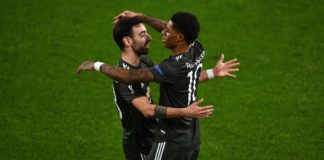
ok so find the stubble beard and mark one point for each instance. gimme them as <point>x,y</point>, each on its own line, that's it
<point>141,50</point>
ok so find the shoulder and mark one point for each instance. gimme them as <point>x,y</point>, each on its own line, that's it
<point>147,61</point>
<point>197,45</point>
<point>198,52</point>
<point>123,64</point>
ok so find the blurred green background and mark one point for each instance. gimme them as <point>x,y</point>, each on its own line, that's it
<point>273,111</point>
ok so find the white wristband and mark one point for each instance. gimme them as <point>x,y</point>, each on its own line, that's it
<point>97,65</point>
<point>210,73</point>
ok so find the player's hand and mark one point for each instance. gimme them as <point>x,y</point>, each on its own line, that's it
<point>87,65</point>
<point>223,69</point>
<point>194,111</point>
<point>125,14</point>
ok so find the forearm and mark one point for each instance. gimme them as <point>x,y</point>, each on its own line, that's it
<point>206,75</point>
<point>143,105</point>
<point>159,111</point>
<point>126,76</point>
<point>157,24</point>
<point>203,76</point>
<point>169,112</point>
<point>175,112</point>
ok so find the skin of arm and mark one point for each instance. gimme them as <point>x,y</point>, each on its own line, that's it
<point>127,76</point>
<point>194,111</point>
<point>119,74</point>
<point>157,24</point>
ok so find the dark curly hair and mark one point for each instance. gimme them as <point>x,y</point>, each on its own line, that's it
<point>187,24</point>
<point>124,28</point>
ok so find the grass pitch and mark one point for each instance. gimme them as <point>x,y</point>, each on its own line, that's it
<point>272,111</point>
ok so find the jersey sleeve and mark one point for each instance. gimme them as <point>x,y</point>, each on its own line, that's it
<point>166,72</point>
<point>127,92</point>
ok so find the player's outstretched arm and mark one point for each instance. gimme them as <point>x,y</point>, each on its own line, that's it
<point>117,73</point>
<point>152,110</point>
<point>221,69</point>
<point>157,24</point>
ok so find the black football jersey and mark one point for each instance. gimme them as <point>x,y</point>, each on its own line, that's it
<point>138,131</point>
<point>178,77</point>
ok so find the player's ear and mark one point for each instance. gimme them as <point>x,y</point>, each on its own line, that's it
<point>127,41</point>
<point>181,37</point>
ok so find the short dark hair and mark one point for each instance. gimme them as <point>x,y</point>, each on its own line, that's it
<point>187,24</point>
<point>124,28</point>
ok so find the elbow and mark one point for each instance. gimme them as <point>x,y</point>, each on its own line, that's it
<point>148,113</point>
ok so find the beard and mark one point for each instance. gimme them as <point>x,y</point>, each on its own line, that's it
<point>142,50</point>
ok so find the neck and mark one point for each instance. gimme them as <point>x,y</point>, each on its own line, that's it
<point>181,48</point>
<point>131,57</point>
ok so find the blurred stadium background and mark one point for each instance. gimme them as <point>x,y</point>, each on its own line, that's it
<point>272,111</point>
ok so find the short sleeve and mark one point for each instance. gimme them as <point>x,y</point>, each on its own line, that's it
<point>166,72</point>
<point>127,92</point>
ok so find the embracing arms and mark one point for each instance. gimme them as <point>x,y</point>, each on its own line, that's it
<point>152,110</point>
<point>118,73</point>
<point>221,69</point>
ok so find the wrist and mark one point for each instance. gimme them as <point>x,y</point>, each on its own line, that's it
<point>210,73</point>
<point>97,66</point>
<point>184,112</point>
<point>160,111</point>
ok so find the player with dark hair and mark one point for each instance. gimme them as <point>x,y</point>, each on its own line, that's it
<point>176,138</point>
<point>133,101</point>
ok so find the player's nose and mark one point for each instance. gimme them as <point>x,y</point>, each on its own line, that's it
<point>163,32</point>
<point>148,37</point>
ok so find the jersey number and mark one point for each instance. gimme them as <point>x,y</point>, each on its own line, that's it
<point>192,75</point>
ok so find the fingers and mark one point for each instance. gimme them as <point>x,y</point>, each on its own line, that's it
<point>206,107</point>
<point>205,114</point>
<point>121,14</point>
<point>229,65</point>
<point>231,61</point>
<point>231,75</point>
<point>78,71</point>
<point>222,58</point>
<point>233,70</point>
<point>117,18</point>
<point>208,111</point>
<point>198,102</point>
<point>125,14</point>
<point>204,111</point>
